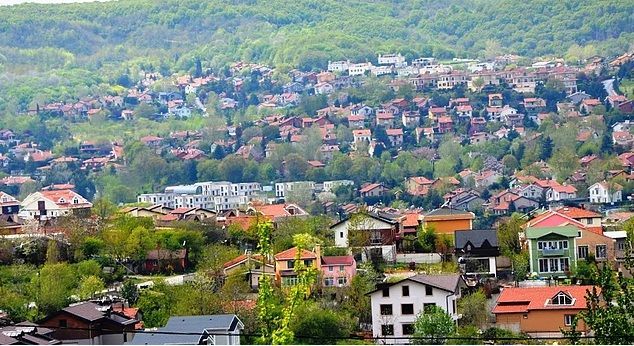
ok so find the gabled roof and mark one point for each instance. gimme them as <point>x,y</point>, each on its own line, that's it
<point>291,253</point>
<point>337,260</point>
<point>476,238</point>
<point>448,283</point>
<point>208,324</point>
<point>577,213</point>
<point>538,232</point>
<point>525,299</point>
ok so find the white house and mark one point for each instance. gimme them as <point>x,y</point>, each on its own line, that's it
<point>392,59</point>
<point>48,204</point>
<point>561,193</point>
<point>282,189</point>
<point>604,192</point>
<point>333,184</point>
<point>395,306</point>
<point>339,66</point>
<point>359,69</point>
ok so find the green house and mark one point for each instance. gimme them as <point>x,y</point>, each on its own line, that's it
<point>552,250</point>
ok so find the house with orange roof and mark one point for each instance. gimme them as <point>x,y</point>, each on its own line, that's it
<point>559,192</point>
<point>285,261</point>
<point>49,204</point>
<point>541,311</point>
<point>253,266</point>
<point>373,190</point>
<point>418,186</point>
<point>277,212</point>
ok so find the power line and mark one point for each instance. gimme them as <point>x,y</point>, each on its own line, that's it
<point>357,337</point>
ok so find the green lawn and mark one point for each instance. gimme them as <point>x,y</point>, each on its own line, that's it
<point>627,87</point>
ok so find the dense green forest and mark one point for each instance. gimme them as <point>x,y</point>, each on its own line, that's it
<point>58,47</point>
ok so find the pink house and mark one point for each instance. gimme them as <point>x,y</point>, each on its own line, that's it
<point>337,271</point>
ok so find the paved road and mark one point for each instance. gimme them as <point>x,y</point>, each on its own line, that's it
<point>608,85</point>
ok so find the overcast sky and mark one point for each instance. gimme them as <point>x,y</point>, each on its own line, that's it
<point>13,2</point>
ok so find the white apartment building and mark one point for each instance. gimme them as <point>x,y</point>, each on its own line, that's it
<point>333,184</point>
<point>359,69</point>
<point>210,195</point>
<point>338,66</point>
<point>282,189</point>
<point>392,59</point>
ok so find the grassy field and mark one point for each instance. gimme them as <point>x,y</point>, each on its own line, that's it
<point>627,87</point>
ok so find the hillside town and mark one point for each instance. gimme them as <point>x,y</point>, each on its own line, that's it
<point>487,193</point>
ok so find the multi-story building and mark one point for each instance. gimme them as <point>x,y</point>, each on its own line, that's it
<point>282,189</point>
<point>552,250</point>
<point>210,195</point>
<point>395,306</point>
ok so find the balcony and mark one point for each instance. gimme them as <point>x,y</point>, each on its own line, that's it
<point>553,252</point>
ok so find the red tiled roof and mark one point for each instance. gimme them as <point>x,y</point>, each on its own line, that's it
<point>369,187</point>
<point>337,260</point>
<point>411,220</point>
<point>292,252</point>
<point>577,213</point>
<point>524,299</point>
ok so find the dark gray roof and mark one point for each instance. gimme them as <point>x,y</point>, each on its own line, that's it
<point>448,282</point>
<point>188,324</point>
<point>476,237</point>
<point>87,310</point>
<point>444,282</point>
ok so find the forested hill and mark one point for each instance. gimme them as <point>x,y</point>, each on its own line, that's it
<point>304,33</point>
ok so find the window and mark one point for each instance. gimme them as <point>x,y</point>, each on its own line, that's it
<point>63,323</point>
<point>552,245</point>
<point>602,251</point>
<point>428,306</point>
<point>386,309</point>
<point>621,245</point>
<point>340,234</point>
<point>386,292</point>
<point>329,282</point>
<point>387,329</point>
<point>429,290</point>
<point>342,280</point>
<point>330,268</point>
<point>582,251</point>
<point>561,299</point>
<point>553,265</point>
<point>308,263</point>
<point>408,328</point>
<point>405,291</point>
<point>342,268</point>
<point>407,309</point>
<point>568,319</point>
<point>290,264</point>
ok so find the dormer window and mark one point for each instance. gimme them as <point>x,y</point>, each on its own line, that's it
<point>62,200</point>
<point>75,200</point>
<point>562,299</point>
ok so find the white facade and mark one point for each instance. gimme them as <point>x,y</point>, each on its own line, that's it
<point>359,69</point>
<point>218,196</point>
<point>553,195</point>
<point>392,59</point>
<point>282,189</point>
<point>47,205</point>
<point>333,184</point>
<point>405,304</point>
<point>599,193</point>
<point>338,66</point>
<point>368,223</point>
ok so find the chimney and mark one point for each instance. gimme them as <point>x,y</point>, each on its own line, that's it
<point>318,255</point>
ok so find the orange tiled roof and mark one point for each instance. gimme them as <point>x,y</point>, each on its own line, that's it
<point>291,253</point>
<point>577,213</point>
<point>524,299</point>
